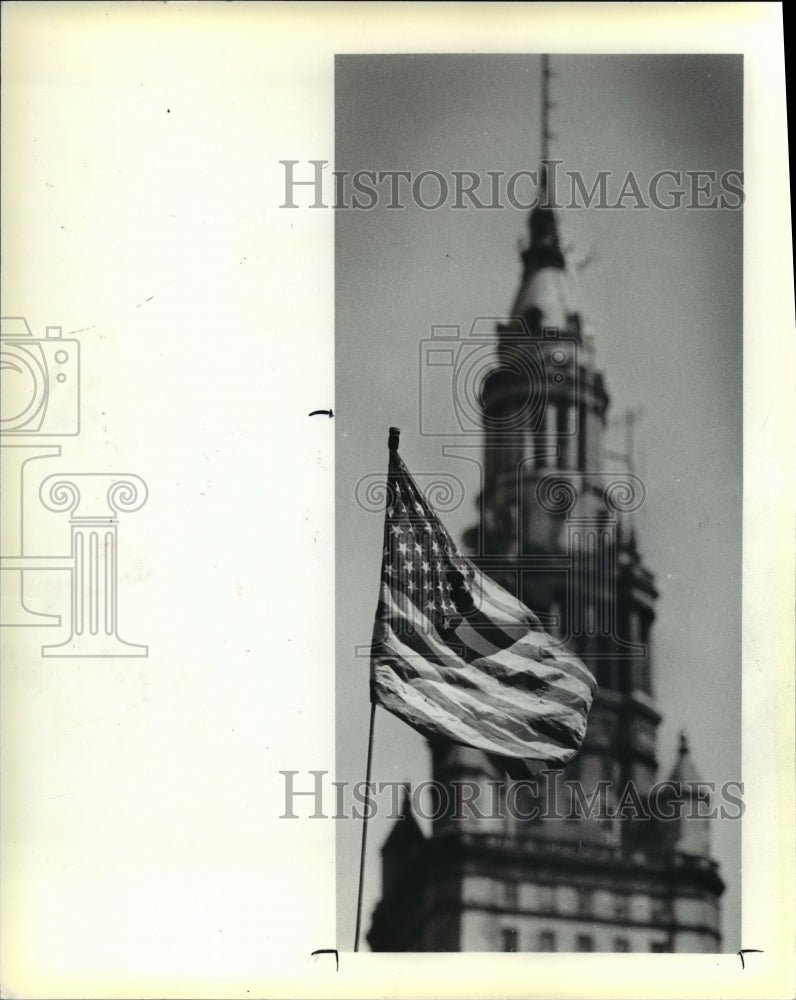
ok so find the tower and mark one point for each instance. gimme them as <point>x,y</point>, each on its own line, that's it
<point>599,856</point>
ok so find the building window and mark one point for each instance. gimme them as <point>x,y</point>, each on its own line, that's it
<point>540,450</point>
<point>660,911</point>
<point>633,627</point>
<point>551,437</point>
<point>621,944</point>
<point>522,804</point>
<point>644,672</point>
<point>606,674</point>
<point>566,436</point>
<point>547,941</point>
<point>584,942</point>
<point>622,908</point>
<point>509,939</point>
<point>585,902</point>
<point>555,625</point>
<point>659,947</point>
<point>546,899</point>
<point>582,457</point>
<point>641,667</point>
<point>510,895</point>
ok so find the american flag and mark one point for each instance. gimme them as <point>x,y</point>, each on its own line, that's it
<point>458,657</point>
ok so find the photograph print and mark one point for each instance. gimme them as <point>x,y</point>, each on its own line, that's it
<point>539,275</point>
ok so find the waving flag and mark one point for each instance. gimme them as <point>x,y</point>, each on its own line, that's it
<point>458,657</point>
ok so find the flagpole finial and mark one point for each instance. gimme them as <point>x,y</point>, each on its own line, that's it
<point>392,441</point>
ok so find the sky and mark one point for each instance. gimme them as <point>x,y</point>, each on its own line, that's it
<point>661,294</point>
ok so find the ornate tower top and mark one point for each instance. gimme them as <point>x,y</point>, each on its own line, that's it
<point>684,770</point>
<point>545,298</point>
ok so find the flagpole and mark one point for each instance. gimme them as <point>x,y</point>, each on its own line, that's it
<point>365,824</point>
<point>392,445</point>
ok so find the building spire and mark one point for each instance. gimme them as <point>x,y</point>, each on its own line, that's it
<point>546,136</point>
<point>547,106</point>
<point>544,297</point>
<point>545,248</point>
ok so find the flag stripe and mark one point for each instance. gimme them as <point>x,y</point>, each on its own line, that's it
<point>424,657</point>
<point>548,715</point>
<point>469,708</point>
<point>504,665</point>
<point>500,665</point>
<point>435,715</point>
<point>492,593</point>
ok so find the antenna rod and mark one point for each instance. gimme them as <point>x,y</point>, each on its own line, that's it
<point>546,74</point>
